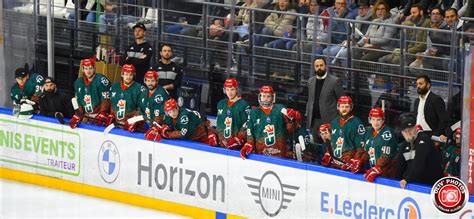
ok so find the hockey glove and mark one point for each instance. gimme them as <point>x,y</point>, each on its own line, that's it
<point>131,126</point>
<point>246,150</point>
<point>153,134</point>
<point>101,119</point>
<point>372,173</point>
<point>355,165</point>
<point>74,121</point>
<point>163,130</point>
<point>326,160</point>
<point>212,139</point>
<point>233,143</point>
<point>294,115</point>
<point>110,119</point>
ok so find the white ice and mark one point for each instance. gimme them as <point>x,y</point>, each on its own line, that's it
<point>21,200</point>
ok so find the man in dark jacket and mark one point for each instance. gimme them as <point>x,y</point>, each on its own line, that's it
<point>420,162</point>
<point>139,53</point>
<point>53,101</point>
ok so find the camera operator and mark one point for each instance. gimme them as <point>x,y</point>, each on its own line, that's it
<point>420,161</point>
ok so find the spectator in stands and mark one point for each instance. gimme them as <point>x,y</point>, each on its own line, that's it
<point>216,30</point>
<point>139,53</point>
<point>87,10</point>
<point>277,24</point>
<point>462,6</point>
<point>378,36</point>
<point>338,28</point>
<point>260,16</point>
<point>310,23</point>
<point>424,166</point>
<point>430,109</point>
<point>302,6</point>
<point>242,20</point>
<point>170,73</point>
<point>416,38</point>
<point>53,101</point>
<point>363,14</point>
<point>439,46</point>
<point>324,90</point>
<point>108,17</point>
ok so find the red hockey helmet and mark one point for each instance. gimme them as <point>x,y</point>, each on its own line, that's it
<point>324,128</point>
<point>376,113</point>
<point>88,62</point>
<point>170,105</point>
<point>266,89</point>
<point>231,82</point>
<point>129,68</point>
<point>151,74</point>
<point>344,100</point>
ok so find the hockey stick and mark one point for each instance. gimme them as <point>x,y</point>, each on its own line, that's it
<point>60,117</point>
<point>130,121</point>
<point>339,160</point>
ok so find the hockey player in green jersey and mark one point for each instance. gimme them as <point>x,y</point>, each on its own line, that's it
<point>380,149</point>
<point>451,156</point>
<point>124,98</point>
<point>347,134</point>
<point>268,127</point>
<point>232,114</point>
<point>26,92</point>
<point>152,101</point>
<point>181,123</point>
<point>92,94</point>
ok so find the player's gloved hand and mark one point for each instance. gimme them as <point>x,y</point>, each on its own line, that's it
<point>153,134</point>
<point>372,173</point>
<point>101,119</point>
<point>74,121</point>
<point>110,119</point>
<point>234,143</point>
<point>326,160</point>
<point>246,150</point>
<point>294,115</point>
<point>131,126</point>
<point>163,130</point>
<point>27,101</point>
<point>355,165</point>
<point>212,138</point>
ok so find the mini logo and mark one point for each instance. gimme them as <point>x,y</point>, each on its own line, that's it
<point>386,135</point>
<point>104,81</point>
<point>270,193</point>
<point>409,209</point>
<point>109,161</point>
<point>88,101</point>
<point>361,129</point>
<point>158,98</point>
<point>121,109</point>
<point>184,120</point>
<point>228,127</point>
<point>449,195</point>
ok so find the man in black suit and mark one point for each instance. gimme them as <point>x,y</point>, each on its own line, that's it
<point>430,109</point>
<point>323,92</point>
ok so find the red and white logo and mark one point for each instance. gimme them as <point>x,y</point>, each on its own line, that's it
<point>449,195</point>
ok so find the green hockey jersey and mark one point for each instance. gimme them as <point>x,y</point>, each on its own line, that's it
<point>451,160</point>
<point>231,119</point>
<point>268,131</point>
<point>347,137</point>
<point>33,87</point>
<point>185,125</point>
<point>152,106</point>
<point>91,95</point>
<point>382,148</point>
<point>124,102</point>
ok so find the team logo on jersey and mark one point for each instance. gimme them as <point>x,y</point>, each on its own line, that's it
<point>339,144</point>
<point>88,101</point>
<point>147,112</point>
<point>270,131</point>
<point>104,81</point>
<point>121,109</point>
<point>387,135</point>
<point>361,129</point>
<point>184,120</point>
<point>158,98</point>
<point>270,193</point>
<point>109,162</point>
<point>372,157</point>
<point>228,127</point>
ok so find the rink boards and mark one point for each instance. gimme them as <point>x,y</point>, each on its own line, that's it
<point>194,179</point>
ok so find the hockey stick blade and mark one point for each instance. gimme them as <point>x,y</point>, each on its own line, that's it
<point>59,116</point>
